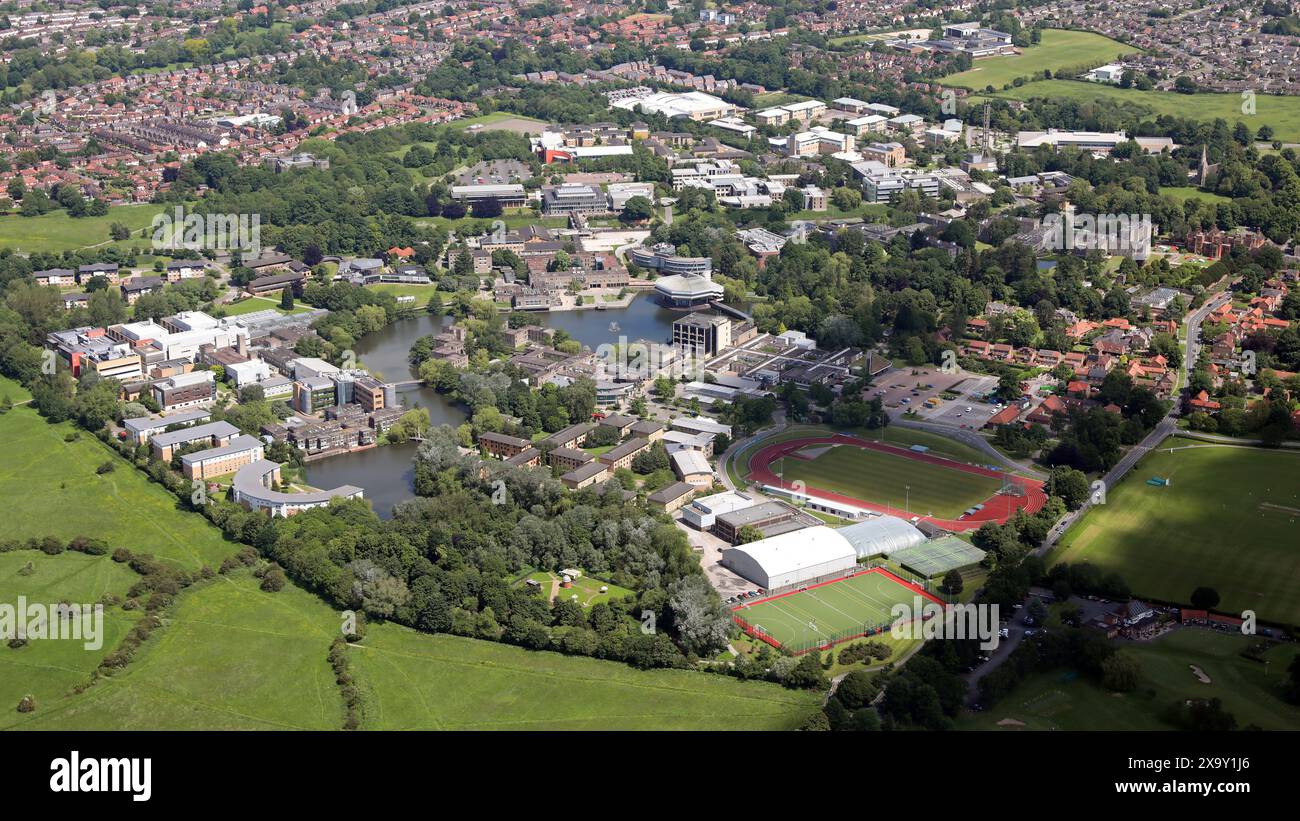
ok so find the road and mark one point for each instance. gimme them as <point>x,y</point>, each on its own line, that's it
<point>1166,427</point>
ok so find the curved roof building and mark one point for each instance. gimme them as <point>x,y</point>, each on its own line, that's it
<point>792,558</point>
<point>251,487</point>
<point>881,535</point>
<point>687,290</point>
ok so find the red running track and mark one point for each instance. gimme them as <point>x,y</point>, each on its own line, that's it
<point>997,508</point>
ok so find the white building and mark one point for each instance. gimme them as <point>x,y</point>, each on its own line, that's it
<point>793,558</point>
<point>702,513</point>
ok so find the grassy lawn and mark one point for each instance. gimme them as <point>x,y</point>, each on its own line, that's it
<point>423,293</point>
<point>879,477</point>
<point>56,231</point>
<point>14,390</point>
<point>1064,701</point>
<point>495,117</point>
<point>938,445</point>
<point>586,588</point>
<point>49,669</point>
<point>1182,194</point>
<point>1282,113</point>
<point>230,657</point>
<point>260,303</point>
<point>1060,50</point>
<point>417,681</point>
<point>50,487</point>
<point>901,647</point>
<point>1229,520</point>
<point>775,98</point>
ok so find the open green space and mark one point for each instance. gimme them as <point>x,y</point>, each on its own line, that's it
<point>49,669</point>
<point>1230,520</point>
<point>49,488</point>
<point>416,681</point>
<point>828,613</point>
<point>885,478</point>
<point>230,657</point>
<point>14,390</point>
<point>254,304</point>
<point>1282,113</point>
<point>1185,193</point>
<point>56,231</point>
<point>1063,700</point>
<point>585,590</point>
<point>1060,50</point>
<point>496,118</point>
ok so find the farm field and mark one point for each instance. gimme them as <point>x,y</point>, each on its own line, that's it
<point>1282,113</point>
<point>1060,50</point>
<point>56,231</point>
<point>51,489</point>
<point>880,477</point>
<point>47,670</point>
<point>230,657</point>
<point>416,681</point>
<point>1229,520</point>
<point>1063,700</point>
<point>829,612</point>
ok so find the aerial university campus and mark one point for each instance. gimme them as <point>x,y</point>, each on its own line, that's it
<point>778,365</point>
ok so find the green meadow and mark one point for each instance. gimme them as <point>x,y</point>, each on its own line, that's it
<point>1060,50</point>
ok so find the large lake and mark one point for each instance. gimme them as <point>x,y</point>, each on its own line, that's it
<point>385,472</point>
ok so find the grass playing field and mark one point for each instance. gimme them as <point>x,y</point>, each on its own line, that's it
<point>1230,520</point>
<point>830,612</point>
<point>884,478</point>
<point>1065,701</point>
<point>415,681</point>
<point>1060,50</point>
<point>1282,113</point>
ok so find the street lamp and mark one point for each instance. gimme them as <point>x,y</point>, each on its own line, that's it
<point>907,498</point>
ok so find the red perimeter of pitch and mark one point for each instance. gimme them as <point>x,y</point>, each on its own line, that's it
<point>997,508</point>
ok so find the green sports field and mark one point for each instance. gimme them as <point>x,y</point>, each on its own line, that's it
<point>1059,50</point>
<point>875,476</point>
<point>1230,520</point>
<point>1282,113</point>
<point>828,613</point>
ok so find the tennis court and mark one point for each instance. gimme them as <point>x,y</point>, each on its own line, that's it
<point>935,558</point>
<point>828,613</point>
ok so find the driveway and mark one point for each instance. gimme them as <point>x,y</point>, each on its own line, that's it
<point>710,548</point>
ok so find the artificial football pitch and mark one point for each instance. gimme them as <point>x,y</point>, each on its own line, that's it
<point>920,487</point>
<point>827,613</point>
<point>1230,520</point>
